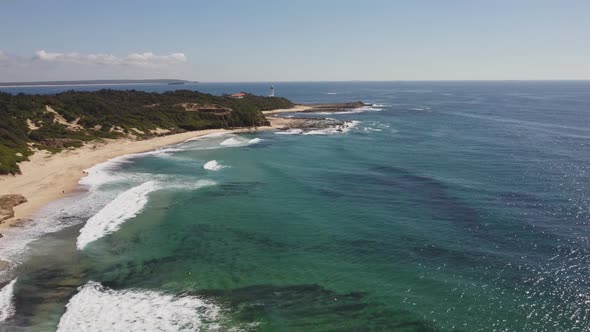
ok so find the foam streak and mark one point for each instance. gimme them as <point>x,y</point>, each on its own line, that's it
<point>97,308</point>
<point>108,220</point>
<point>6,301</point>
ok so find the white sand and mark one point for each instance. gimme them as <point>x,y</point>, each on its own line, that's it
<point>46,177</point>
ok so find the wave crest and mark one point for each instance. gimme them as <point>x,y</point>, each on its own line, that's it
<point>108,220</point>
<point>240,141</point>
<point>6,301</point>
<point>213,165</point>
<point>98,308</point>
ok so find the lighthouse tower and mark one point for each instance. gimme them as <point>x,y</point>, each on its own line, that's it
<point>272,91</point>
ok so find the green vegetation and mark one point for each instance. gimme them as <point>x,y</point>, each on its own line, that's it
<point>26,122</point>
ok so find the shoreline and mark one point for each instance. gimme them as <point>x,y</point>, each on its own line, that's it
<point>48,177</point>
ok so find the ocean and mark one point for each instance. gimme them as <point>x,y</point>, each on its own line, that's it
<point>447,206</point>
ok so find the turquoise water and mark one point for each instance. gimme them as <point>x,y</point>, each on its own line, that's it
<point>450,206</point>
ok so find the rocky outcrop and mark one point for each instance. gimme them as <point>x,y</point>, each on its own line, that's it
<point>307,123</point>
<point>7,204</point>
<point>335,107</point>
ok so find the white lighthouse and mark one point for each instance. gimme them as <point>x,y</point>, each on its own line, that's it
<point>272,91</point>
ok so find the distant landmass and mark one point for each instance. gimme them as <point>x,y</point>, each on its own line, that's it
<point>97,82</point>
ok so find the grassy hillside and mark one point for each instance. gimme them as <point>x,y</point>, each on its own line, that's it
<point>68,119</point>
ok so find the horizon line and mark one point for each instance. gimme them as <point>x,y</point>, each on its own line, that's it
<point>189,82</point>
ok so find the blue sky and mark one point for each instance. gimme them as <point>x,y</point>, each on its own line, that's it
<point>294,40</point>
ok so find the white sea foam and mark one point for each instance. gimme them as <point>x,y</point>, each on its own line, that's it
<point>98,308</point>
<point>15,244</point>
<point>159,152</point>
<point>102,173</point>
<point>337,129</point>
<point>361,109</point>
<point>188,185</point>
<point>213,165</point>
<point>7,301</point>
<point>231,142</point>
<point>372,108</point>
<point>293,131</point>
<point>348,125</point>
<point>108,220</point>
<point>214,135</point>
<point>239,141</point>
<point>156,152</point>
<point>218,141</point>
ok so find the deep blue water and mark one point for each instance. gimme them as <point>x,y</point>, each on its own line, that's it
<point>450,206</point>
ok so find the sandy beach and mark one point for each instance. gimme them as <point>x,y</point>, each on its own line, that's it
<point>46,177</point>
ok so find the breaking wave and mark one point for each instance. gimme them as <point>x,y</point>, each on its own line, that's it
<point>372,108</point>
<point>293,131</point>
<point>337,129</point>
<point>240,141</point>
<point>7,301</point>
<point>346,127</point>
<point>362,109</point>
<point>213,165</point>
<point>188,185</point>
<point>207,136</point>
<point>98,308</point>
<point>15,246</point>
<point>102,173</point>
<point>108,220</point>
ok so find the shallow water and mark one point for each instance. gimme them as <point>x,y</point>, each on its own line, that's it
<point>449,206</point>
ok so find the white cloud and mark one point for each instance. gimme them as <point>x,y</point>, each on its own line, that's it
<point>7,60</point>
<point>147,59</point>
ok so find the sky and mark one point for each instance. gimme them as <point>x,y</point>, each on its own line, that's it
<point>295,40</point>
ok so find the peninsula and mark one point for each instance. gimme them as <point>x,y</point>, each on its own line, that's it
<point>47,141</point>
